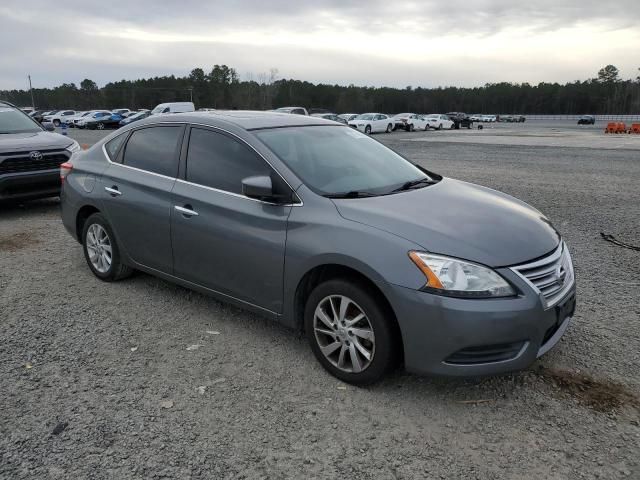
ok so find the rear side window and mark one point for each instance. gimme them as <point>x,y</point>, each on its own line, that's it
<point>218,161</point>
<point>154,149</point>
<point>113,146</point>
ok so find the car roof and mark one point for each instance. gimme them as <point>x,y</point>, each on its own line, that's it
<point>246,119</point>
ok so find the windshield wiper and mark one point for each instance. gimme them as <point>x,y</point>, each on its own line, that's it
<point>413,183</point>
<point>351,194</point>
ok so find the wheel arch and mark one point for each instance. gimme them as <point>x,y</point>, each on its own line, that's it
<point>81,217</point>
<point>325,271</point>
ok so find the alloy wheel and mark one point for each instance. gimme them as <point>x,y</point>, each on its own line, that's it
<point>344,333</point>
<point>99,248</point>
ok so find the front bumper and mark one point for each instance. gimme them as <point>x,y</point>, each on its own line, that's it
<point>31,185</point>
<point>465,337</point>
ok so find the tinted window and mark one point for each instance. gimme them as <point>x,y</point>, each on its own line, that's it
<point>218,161</point>
<point>154,149</point>
<point>114,145</point>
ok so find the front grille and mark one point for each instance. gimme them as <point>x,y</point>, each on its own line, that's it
<point>551,276</point>
<point>486,354</point>
<point>21,162</point>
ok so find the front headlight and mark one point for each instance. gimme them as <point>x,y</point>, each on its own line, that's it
<point>74,147</point>
<point>458,278</point>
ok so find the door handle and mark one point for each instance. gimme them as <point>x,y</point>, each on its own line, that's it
<point>187,211</point>
<point>113,191</point>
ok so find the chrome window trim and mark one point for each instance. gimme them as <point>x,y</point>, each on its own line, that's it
<point>297,204</point>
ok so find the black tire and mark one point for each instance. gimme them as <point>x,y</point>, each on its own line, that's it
<point>117,269</point>
<point>410,127</point>
<point>381,320</point>
<point>100,126</point>
<point>440,127</point>
<point>367,129</point>
<point>390,128</point>
<point>56,123</point>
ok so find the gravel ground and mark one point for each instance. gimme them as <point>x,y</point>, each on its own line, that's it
<point>144,379</point>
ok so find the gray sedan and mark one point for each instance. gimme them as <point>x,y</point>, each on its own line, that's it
<point>324,229</point>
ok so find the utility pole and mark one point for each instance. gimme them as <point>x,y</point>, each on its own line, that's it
<point>33,104</point>
<point>191,94</point>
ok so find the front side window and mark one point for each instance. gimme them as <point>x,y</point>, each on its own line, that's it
<point>218,161</point>
<point>333,160</point>
<point>154,149</point>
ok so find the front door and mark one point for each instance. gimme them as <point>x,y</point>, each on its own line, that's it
<point>221,239</point>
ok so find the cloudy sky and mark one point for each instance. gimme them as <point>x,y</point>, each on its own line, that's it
<point>393,43</point>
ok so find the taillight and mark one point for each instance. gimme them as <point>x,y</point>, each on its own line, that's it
<point>65,169</point>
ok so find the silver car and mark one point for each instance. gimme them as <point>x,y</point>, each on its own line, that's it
<point>324,229</point>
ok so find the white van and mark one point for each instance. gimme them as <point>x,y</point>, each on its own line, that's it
<point>173,107</point>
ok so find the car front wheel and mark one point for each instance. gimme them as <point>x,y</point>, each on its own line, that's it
<point>367,129</point>
<point>350,331</point>
<point>101,251</point>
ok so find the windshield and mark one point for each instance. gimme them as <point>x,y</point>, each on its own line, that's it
<point>401,115</point>
<point>335,160</point>
<point>158,109</point>
<point>14,121</point>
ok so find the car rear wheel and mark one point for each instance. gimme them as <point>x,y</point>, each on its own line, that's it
<point>390,128</point>
<point>367,129</point>
<point>350,331</point>
<point>100,126</point>
<point>101,250</point>
<point>410,127</point>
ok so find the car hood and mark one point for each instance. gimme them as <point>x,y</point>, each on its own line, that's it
<point>32,141</point>
<point>461,220</point>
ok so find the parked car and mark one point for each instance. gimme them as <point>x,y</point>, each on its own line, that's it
<point>587,120</point>
<point>109,121</point>
<point>438,121</point>
<point>476,117</point>
<point>96,120</point>
<point>124,112</point>
<point>134,118</point>
<point>71,121</point>
<point>409,122</point>
<point>30,156</point>
<point>348,116</point>
<point>80,121</point>
<point>460,119</point>
<point>293,110</point>
<point>39,117</point>
<point>173,107</point>
<point>58,117</point>
<point>488,118</point>
<point>330,116</point>
<point>383,258</point>
<point>372,123</point>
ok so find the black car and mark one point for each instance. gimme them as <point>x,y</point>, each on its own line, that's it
<point>30,156</point>
<point>587,120</point>
<point>460,119</point>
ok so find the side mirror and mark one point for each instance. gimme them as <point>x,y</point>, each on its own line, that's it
<point>49,127</point>
<point>259,187</point>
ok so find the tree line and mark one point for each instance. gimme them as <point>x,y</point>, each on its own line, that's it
<point>221,88</point>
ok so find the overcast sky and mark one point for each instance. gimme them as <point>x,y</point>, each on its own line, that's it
<point>392,43</point>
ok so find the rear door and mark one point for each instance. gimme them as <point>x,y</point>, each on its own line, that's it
<point>222,239</point>
<point>136,192</point>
